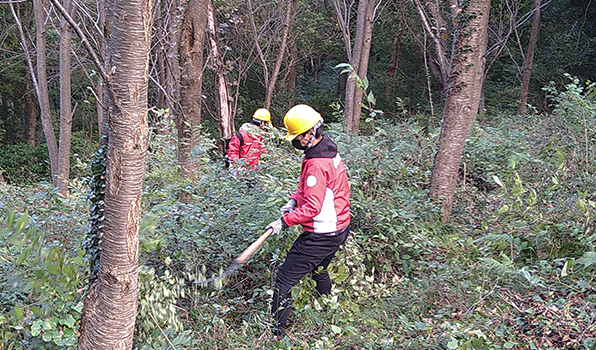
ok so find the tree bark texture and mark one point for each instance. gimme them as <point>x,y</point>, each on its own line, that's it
<point>65,102</point>
<point>99,87</point>
<point>462,98</point>
<point>270,88</point>
<point>217,64</point>
<point>528,62</point>
<point>192,34</point>
<point>39,8</point>
<point>110,306</point>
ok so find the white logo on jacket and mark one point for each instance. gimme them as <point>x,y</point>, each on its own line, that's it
<point>336,160</point>
<point>311,181</point>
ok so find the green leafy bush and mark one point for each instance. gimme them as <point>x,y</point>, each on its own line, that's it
<point>513,268</point>
<point>24,165</point>
<point>39,287</point>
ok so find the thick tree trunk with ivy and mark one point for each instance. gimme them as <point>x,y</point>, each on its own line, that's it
<point>528,62</point>
<point>462,98</point>
<point>217,64</point>
<point>110,305</point>
<point>40,12</point>
<point>65,102</point>
<point>192,34</point>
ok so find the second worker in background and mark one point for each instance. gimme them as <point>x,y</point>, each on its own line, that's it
<point>245,148</point>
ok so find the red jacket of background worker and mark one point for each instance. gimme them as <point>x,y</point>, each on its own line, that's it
<point>250,150</point>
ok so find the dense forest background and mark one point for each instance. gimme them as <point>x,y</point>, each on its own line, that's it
<point>510,263</point>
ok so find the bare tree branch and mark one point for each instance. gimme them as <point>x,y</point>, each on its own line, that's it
<point>25,48</point>
<point>84,40</point>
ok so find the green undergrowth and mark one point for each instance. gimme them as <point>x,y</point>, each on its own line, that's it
<point>513,268</point>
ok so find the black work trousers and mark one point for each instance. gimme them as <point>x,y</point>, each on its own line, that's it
<point>309,252</point>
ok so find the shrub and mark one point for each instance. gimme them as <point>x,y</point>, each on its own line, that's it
<point>24,165</point>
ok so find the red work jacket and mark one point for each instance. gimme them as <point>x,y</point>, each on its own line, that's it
<point>250,150</point>
<point>323,195</point>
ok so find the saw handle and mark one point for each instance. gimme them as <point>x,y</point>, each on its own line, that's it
<point>242,258</point>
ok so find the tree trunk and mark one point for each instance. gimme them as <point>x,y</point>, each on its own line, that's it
<point>393,66</point>
<point>110,306</point>
<point>65,102</point>
<point>39,8</point>
<point>438,33</point>
<point>292,73</point>
<point>30,118</point>
<point>363,64</point>
<point>528,62</point>
<point>259,51</point>
<point>461,103</point>
<point>102,125</point>
<point>31,77</point>
<point>192,33</point>
<point>354,62</point>
<point>360,57</point>
<point>270,88</point>
<point>161,75</point>
<point>224,98</point>
<point>161,36</point>
<point>4,112</point>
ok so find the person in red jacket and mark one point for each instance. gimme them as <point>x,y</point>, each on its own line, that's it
<point>246,147</point>
<point>321,205</point>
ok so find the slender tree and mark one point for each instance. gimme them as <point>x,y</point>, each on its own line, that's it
<point>292,76</point>
<point>462,97</point>
<point>40,10</point>
<point>110,305</point>
<point>218,67</point>
<point>65,102</point>
<point>270,88</point>
<point>268,28</point>
<point>529,60</point>
<point>30,115</point>
<point>358,57</point>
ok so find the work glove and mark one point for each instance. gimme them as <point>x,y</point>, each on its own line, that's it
<point>288,207</point>
<point>234,170</point>
<point>276,226</point>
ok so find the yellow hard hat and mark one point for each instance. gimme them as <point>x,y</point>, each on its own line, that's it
<point>300,119</point>
<point>262,114</point>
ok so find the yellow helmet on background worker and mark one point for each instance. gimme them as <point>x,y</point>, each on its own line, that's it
<point>300,119</point>
<point>262,114</point>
